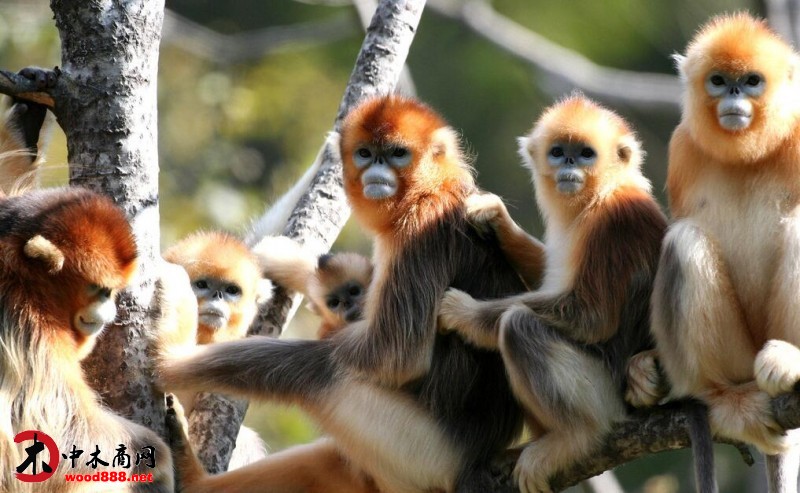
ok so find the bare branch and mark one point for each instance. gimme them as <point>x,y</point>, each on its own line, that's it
<point>220,48</point>
<point>18,86</point>
<point>321,212</point>
<point>641,88</point>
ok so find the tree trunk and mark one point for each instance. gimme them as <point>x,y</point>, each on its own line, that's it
<point>320,213</point>
<point>105,101</point>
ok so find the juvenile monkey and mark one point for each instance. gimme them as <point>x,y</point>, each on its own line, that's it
<point>725,305</point>
<point>335,284</point>
<point>565,344</point>
<point>66,253</point>
<point>226,281</point>
<point>416,410</point>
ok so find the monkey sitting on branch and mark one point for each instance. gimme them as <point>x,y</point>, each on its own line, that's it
<point>566,344</point>
<point>414,409</point>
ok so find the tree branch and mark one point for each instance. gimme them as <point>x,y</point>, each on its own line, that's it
<point>319,214</point>
<point>13,84</point>
<point>647,432</point>
<point>640,88</point>
<point>224,49</point>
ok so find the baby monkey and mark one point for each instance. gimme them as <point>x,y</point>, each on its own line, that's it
<point>335,284</point>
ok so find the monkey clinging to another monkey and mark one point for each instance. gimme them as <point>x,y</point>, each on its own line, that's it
<point>565,344</point>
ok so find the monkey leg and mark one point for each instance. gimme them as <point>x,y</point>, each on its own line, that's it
<point>703,341</point>
<point>568,391</point>
<point>318,467</point>
<point>384,431</point>
<point>777,366</point>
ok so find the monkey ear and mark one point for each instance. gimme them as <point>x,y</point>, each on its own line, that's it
<point>629,151</point>
<point>43,249</point>
<point>680,64</point>
<point>444,142</point>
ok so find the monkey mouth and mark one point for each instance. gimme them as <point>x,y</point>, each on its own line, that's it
<point>89,327</point>
<point>735,120</point>
<point>213,318</point>
<point>377,189</point>
<point>569,182</point>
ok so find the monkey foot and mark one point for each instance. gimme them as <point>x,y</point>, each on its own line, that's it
<point>44,79</point>
<point>744,413</point>
<point>777,367</point>
<point>646,383</point>
<point>532,472</point>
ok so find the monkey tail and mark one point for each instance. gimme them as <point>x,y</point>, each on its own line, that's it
<point>702,446</point>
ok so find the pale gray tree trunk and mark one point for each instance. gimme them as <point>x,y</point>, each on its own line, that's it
<point>105,100</point>
<point>320,213</point>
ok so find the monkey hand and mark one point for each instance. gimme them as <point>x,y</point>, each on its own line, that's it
<point>646,384</point>
<point>777,367</point>
<point>457,311</point>
<point>485,211</point>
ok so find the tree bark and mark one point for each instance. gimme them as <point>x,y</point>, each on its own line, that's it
<point>319,214</point>
<point>105,100</point>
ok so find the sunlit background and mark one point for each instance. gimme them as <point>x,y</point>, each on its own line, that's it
<point>248,89</point>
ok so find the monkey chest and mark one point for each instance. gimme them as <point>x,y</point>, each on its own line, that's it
<point>746,225</point>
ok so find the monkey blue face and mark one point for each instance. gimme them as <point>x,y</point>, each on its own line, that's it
<point>214,300</point>
<point>570,161</point>
<point>379,165</point>
<point>734,108</point>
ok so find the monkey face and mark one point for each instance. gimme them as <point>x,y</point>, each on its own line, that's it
<point>99,310</point>
<point>215,299</point>
<point>569,161</point>
<point>733,94</point>
<point>346,301</point>
<point>741,97</point>
<point>378,164</point>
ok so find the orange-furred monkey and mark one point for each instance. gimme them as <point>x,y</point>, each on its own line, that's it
<point>566,344</point>
<point>725,302</point>
<point>416,410</point>
<point>65,254</point>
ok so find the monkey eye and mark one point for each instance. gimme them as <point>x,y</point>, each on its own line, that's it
<point>753,80</point>
<point>364,152</point>
<point>557,151</point>
<point>201,284</point>
<point>332,303</point>
<point>587,153</point>
<point>399,157</point>
<point>233,289</point>
<point>99,291</point>
<point>354,290</point>
<point>717,80</point>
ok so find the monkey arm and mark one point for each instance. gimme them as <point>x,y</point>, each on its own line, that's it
<point>394,344</point>
<point>285,262</point>
<point>478,321</point>
<point>525,253</point>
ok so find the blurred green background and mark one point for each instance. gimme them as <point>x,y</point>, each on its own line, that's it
<point>247,90</point>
